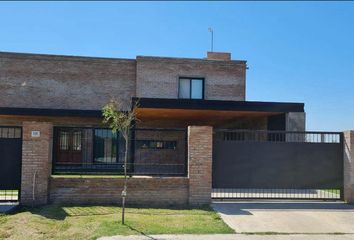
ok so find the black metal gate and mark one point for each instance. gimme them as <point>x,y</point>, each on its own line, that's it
<point>10,163</point>
<point>277,164</point>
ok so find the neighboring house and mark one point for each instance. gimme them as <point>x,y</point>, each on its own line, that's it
<point>68,93</point>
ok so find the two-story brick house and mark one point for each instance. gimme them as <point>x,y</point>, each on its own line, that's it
<point>61,97</point>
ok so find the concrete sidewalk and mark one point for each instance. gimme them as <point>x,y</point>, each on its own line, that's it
<point>287,216</point>
<point>234,237</point>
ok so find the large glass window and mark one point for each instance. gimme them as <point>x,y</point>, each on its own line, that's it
<point>184,88</point>
<point>94,150</point>
<point>197,89</point>
<point>105,143</point>
<point>191,88</point>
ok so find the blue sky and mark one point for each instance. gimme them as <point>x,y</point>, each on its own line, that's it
<point>296,51</point>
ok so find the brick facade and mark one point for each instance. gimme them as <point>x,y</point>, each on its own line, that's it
<point>87,83</point>
<point>36,163</point>
<point>200,144</point>
<point>349,166</point>
<point>64,82</point>
<point>158,77</point>
<point>151,191</point>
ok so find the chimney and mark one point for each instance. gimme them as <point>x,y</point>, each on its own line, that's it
<point>220,56</point>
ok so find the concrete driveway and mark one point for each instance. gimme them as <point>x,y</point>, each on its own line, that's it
<point>287,216</point>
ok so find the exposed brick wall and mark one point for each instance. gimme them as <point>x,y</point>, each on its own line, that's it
<point>200,139</point>
<point>349,166</point>
<point>67,82</point>
<point>224,56</point>
<point>152,191</point>
<point>36,162</point>
<point>47,81</point>
<point>158,77</point>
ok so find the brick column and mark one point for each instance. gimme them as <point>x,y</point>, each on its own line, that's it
<point>36,162</point>
<point>349,166</point>
<point>200,145</point>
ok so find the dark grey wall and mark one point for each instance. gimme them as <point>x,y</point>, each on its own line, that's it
<point>239,164</point>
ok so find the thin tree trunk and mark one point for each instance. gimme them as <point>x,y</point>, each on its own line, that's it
<point>126,137</point>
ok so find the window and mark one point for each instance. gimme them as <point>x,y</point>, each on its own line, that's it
<point>191,88</point>
<point>6,132</point>
<point>105,143</point>
<point>155,144</point>
<point>77,141</point>
<point>64,140</point>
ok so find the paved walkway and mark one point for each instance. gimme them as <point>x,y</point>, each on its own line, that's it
<point>287,216</point>
<point>234,237</point>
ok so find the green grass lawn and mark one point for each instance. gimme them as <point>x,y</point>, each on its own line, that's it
<point>91,222</point>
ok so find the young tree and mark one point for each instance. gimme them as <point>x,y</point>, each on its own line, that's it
<point>120,122</point>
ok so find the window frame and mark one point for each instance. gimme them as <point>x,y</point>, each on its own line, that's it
<point>190,87</point>
<point>56,142</point>
<point>94,151</point>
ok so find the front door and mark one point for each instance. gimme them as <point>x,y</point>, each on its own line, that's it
<point>69,147</point>
<point>10,163</point>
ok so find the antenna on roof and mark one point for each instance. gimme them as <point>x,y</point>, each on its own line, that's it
<point>212,37</point>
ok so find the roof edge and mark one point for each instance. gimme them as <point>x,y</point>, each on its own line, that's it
<point>50,112</point>
<point>281,107</point>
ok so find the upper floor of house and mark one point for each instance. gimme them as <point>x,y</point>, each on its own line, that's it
<point>88,83</point>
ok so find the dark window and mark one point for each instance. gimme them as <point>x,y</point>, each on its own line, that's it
<point>69,145</point>
<point>155,144</point>
<point>191,88</point>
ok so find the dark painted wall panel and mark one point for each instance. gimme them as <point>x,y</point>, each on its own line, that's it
<point>10,163</point>
<point>239,164</point>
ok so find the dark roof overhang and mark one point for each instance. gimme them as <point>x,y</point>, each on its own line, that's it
<point>50,112</point>
<point>194,104</point>
<point>163,103</point>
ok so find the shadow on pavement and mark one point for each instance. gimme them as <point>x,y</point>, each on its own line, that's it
<point>242,207</point>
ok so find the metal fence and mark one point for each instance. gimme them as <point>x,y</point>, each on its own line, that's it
<point>285,193</point>
<point>99,151</point>
<point>278,136</point>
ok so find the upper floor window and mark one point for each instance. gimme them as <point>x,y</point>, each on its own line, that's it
<point>191,88</point>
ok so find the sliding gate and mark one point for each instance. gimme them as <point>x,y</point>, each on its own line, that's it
<point>277,165</point>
